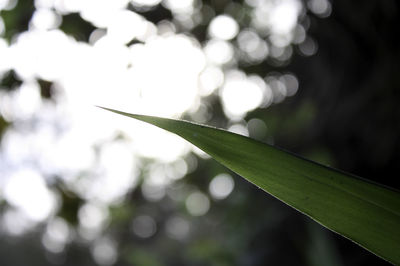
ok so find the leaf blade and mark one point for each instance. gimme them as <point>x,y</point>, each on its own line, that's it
<point>360,210</point>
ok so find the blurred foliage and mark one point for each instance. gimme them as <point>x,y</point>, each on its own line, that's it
<point>346,113</point>
<point>3,125</point>
<point>10,81</point>
<point>46,89</point>
<point>17,19</point>
<point>73,25</point>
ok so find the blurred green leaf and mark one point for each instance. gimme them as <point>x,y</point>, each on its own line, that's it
<point>364,212</point>
<point>17,19</point>
<point>138,256</point>
<point>209,252</point>
<point>73,25</point>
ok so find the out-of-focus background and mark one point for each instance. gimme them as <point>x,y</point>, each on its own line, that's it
<point>80,186</point>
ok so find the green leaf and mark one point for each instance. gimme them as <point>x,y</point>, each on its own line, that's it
<point>360,210</point>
